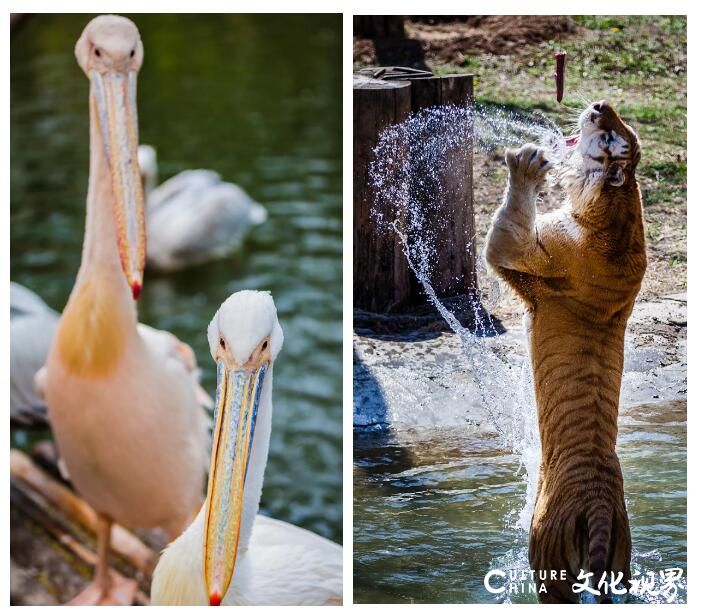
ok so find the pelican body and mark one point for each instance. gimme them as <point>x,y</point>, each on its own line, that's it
<point>32,327</point>
<point>229,554</point>
<point>125,416</point>
<point>194,216</point>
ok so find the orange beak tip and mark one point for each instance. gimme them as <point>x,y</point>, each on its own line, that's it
<point>215,599</point>
<point>136,290</point>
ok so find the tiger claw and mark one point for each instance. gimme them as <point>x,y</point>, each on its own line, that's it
<point>528,165</point>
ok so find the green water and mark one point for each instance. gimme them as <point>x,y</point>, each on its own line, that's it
<point>258,99</point>
<point>434,513</point>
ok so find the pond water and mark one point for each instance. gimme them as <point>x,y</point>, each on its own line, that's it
<point>434,512</point>
<point>258,99</point>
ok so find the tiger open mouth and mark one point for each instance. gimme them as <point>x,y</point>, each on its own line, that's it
<point>572,141</point>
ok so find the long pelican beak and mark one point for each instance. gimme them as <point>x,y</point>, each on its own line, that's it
<point>236,409</point>
<point>114,95</point>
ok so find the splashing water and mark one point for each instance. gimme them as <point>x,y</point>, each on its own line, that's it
<point>497,127</point>
<point>507,396</point>
<point>412,160</point>
<point>408,173</point>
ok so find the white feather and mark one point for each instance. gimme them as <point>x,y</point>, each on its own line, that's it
<point>283,565</point>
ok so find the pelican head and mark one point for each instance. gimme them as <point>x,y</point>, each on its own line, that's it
<point>110,53</point>
<point>244,339</point>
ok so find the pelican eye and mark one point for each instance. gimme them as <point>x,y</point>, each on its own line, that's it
<point>222,344</point>
<point>265,345</point>
<point>132,53</point>
<point>97,52</point>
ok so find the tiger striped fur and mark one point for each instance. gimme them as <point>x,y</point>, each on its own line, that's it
<point>577,270</point>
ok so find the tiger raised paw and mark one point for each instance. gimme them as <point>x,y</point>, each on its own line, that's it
<point>577,270</point>
<point>528,167</point>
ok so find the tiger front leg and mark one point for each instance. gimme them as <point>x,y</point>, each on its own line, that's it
<point>512,236</point>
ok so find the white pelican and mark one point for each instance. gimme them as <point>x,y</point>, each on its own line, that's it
<point>125,416</point>
<point>32,326</point>
<point>194,216</point>
<point>229,554</point>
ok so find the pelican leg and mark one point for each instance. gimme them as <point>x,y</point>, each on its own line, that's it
<point>104,533</point>
<point>106,588</point>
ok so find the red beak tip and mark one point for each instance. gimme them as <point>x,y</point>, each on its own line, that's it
<point>214,600</point>
<point>136,290</point>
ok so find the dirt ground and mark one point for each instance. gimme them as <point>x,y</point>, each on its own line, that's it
<point>449,41</point>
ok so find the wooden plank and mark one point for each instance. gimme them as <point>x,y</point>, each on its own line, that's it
<point>35,509</point>
<point>52,545</point>
<point>64,500</point>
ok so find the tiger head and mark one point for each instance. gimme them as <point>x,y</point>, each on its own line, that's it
<point>606,154</point>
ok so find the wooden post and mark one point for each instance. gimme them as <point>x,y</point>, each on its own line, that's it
<point>454,270</point>
<point>382,280</point>
<point>381,275</point>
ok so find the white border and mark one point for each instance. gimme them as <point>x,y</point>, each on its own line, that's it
<point>362,7</point>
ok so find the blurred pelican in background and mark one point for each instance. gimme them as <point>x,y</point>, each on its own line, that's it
<point>32,327</point>
<point>231,555</point>
<point>194,216</point>
<point>125,416</point>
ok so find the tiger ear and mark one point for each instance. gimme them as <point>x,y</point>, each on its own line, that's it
<point>616,176</point>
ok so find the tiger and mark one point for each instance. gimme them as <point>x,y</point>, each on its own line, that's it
<point>577,271</point>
